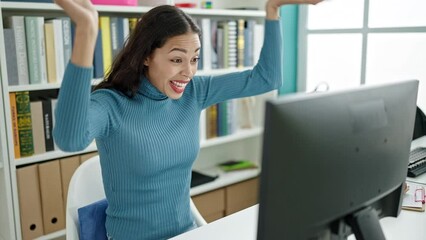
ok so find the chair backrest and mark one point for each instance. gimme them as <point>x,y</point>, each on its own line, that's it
<point>86,187</point>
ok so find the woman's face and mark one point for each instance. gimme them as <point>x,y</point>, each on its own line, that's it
<point>171,67</point>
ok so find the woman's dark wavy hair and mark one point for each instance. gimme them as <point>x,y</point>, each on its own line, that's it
<point>151,32</point>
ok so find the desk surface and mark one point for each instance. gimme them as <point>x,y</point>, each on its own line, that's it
<point>243,225</point>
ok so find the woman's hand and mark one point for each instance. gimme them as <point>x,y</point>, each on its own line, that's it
<point>272,6</point>
<point>81,12</point>
<point>85,17</point>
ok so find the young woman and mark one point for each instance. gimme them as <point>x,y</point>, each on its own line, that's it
<point>145,114</point>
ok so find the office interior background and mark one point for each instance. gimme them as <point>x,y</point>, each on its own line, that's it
<point>336,45</point>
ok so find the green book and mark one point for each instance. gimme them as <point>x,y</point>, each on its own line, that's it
<point>25,131</point>
<point>236,165</point>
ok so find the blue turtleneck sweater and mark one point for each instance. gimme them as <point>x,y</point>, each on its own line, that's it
<point>147,144</point>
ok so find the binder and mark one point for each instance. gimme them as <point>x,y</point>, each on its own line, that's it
<point>51,196</point>
<point>29,202</point>
<point>68,167</point>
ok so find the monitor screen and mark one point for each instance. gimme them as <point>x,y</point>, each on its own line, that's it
<point>335,162</point>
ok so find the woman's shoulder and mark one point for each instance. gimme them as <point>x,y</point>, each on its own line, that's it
<point>109,95</point>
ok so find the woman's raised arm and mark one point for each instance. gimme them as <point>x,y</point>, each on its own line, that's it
<point>85,17</point>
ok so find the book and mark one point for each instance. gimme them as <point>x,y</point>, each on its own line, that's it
<point>66,37</point>
<point>48,124</point>
<point>98,62</point>
<point>104,25</point>
<point>11,61</point>
<point>222,122</point>
<point>59,48</point>
<point>37,127</point>
<point>15,132</point>
<point>23,112</point>
<point>213,44</point>
<point>240,43</point>
<point>206,43</point>
<point>234,165</point>
<point>211,121</point>
<point>232,43</point>
<point>126,30</point>
<point>34,30</point>
<point>122,24</point>
<point>115,49</point>
<point>132,24</point>
<point>259,34</point>
<point>50,52</point>
<point>17,23</point>
<point>53,102</point>
<point>248,42</point>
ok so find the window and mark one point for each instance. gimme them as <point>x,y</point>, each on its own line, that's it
<point>353,42</point>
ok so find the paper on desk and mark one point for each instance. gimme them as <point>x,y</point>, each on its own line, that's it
<point>408,201</point>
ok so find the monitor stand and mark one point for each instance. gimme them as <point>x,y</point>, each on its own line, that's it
<point>365,224</point>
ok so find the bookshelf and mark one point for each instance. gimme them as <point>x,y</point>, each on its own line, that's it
<point>240,144</point>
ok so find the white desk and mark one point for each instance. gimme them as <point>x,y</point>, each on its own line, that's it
<point>243,225</point>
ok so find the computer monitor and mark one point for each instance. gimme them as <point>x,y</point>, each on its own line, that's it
<point>335,162</point>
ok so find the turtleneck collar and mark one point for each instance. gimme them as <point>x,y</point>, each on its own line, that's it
<point>150,91</point>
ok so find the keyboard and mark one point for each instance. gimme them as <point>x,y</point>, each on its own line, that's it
<point>417,162</point>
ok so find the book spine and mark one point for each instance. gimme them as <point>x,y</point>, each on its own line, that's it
<point>48,124</point>
<point>33,49</point>
<point>53,102</point>
<point>207,50</point>
<point>15,131</point>
<point>41,44</point>
<point>98,62</point>
<point>120,34</point>
<point>66,34</point>
<point>50,52</point>
<point>259,34</point>
<point>59,49</point>
<point>23,110</point>
<point>104,23</point>
<point>240,43</point>
<point>11,62</point>
<point>37,127</point>
<point>211,121</point>
<point>114,36</point>
<point>126,29</point>
<point>232,43</point>
<point>248,43</point>
<point>213,43</point>
<point>222,122</point>
<point>17,23</point>
<point>219,45</point>
<point>132,24</point>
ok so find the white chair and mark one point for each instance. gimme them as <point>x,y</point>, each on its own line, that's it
<point>86,187</point>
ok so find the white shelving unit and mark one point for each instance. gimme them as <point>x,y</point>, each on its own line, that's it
<point>7,227</point>
<point>242,144</point>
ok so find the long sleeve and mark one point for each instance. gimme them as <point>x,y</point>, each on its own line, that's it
<point>82,116</point>
<point>265,76</point>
